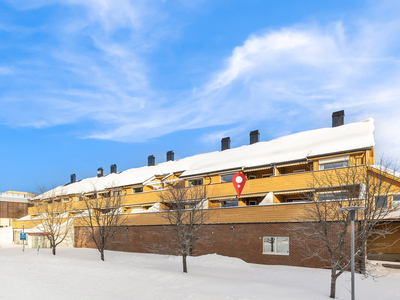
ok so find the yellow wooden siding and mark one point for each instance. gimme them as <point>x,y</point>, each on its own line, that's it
<point>241,214</point>
<point>27,223</point>
<point>288,182</point>
<point>275,183</point>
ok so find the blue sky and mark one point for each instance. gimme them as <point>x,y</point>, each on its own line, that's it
<point>89,83</point>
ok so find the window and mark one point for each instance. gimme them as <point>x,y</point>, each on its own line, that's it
<point>117,193</point>
<point>227,177</point>
<point>396,201</point>
<point>334,162</point>
<point>252,176</point>
<point>230,203</point>
<point>276,245</point>
<point>266,175</point>
<point>194,182</point>
<point>137,190</point>
<point>299,171</point>
<point>335,165</point>
<point>332,195</point>
<point>381,201</point>
<point>91,196</point>
<point>252,202</point>
<point>296,199</point>
<point>104,194</point>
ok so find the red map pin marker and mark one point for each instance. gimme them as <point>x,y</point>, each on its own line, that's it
<point>238,181</point>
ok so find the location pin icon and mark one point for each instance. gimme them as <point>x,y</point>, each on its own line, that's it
<point>238,181</point>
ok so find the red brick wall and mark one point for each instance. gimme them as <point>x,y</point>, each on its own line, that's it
<point>244,241</point>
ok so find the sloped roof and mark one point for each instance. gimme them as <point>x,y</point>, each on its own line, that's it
<point>294,147</point>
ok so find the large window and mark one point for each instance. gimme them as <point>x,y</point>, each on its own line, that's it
<point>396,201</point>
<point>334,165</point>
<point>332,195</point>
<point>381,201</point>
<point>276,245</point>
<point>334,162</point>
<point>227,177</point>
<point>194,182</point>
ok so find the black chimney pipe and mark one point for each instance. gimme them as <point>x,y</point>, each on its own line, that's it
<point>225,143</point>
<point>170,155</point>
<point>254,136</point>
<point>151,160</point>
<point>338,118</point>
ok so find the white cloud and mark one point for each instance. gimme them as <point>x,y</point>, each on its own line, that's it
<point>274,76</point>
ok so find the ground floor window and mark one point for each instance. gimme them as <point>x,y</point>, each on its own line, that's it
<point>276,245</point>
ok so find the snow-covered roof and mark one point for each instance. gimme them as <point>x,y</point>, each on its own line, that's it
<point>386,170</point>
<point>294,147</point>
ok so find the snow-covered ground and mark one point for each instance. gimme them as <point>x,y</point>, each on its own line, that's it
<point>80,274</point>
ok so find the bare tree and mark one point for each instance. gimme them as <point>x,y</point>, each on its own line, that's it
<point>102,215</point>
<point>327,234</point>
<point>186,213</point>
<point>54,220</point>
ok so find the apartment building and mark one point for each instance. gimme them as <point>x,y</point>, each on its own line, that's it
<point>13,205</point>
<point>279,185</point>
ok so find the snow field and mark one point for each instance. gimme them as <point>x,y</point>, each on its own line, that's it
<point>80,274</point>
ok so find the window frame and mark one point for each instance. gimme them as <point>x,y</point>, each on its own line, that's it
<point>232,202</point>
<point>136,188</point>
<point>116,193</point>
<point>226,174</point>
<point>397,202</point>
<point>275,245</point>
<point>189,182</point>
<point>334,198</point>
<point>294,200</point>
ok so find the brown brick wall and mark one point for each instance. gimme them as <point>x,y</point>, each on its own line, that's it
<point>244,241</point>
<point>13,209</point>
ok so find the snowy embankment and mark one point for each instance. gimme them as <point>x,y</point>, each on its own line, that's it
<point>79,274</point>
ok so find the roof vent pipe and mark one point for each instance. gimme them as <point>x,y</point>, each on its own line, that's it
<point>100,172</point>
<point>225,143</point>
<point>151,160</point>
<point>338,118</point>
<point>113,169</point>
<point>170,155</point>
<point>73,178</point>
<point>254,136</point>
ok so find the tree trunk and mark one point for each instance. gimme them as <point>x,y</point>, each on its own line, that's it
<point>333,284</point>
<point>54,250</point>
<point>184,263</point>
<point>102,247</point>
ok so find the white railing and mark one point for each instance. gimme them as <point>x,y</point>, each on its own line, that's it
<point>15,195</point>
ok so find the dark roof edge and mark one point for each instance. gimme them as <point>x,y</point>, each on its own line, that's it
<point>341,152</point>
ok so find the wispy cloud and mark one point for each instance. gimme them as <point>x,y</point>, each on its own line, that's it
<point>99,70</point>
